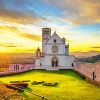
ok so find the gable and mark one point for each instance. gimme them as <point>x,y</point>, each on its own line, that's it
<point>54,38</point>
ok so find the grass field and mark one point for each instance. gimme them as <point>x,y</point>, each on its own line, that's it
<point>71,86</point>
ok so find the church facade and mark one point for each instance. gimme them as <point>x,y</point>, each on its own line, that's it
<point>55,52</point>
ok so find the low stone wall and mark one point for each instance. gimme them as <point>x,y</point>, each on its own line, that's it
<point>92,81</point>
<point>86,69</point>
<point>12,72</point>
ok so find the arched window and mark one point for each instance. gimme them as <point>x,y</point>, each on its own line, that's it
<point>40,64</point>
<point>16,66</point>
<point>54,62</point>
<point>72,64</point>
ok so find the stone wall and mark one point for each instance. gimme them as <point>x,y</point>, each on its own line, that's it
<point>87,69</point>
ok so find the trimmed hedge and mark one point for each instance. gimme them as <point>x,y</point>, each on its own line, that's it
<point>50,84</point>
<point>24,85</point>
<point>19,81</point>
<point>44,83</point>
<point>26,81</point>
<point>92,81</point>
<point>36,83</point>
<point>14,87</point>
<point>14,81</point>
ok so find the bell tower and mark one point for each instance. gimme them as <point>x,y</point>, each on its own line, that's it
<point>46,34</point>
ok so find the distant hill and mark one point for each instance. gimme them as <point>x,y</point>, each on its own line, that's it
<point>17,57</point>
<point>85,54</point>
<point>91,59</point>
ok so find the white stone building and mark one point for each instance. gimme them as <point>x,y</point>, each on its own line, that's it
<point>55,53</point>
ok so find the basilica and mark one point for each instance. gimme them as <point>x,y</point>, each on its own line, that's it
<point>54,54</point>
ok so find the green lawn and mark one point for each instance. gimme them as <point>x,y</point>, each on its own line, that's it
<point>71,86</point>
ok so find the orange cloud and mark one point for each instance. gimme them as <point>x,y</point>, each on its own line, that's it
<point>97,47</point>
<point>18,17</point>
<point>13,39</point>
<point>21,33</point>
<point>10,45</point>
<point>78,11</point>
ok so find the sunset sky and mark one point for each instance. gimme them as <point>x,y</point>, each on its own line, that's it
<point>76,20</point>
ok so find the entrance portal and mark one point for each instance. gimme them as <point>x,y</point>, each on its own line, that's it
<point>54,62</point>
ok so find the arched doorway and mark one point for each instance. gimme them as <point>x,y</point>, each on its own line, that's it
<point>54,62</point>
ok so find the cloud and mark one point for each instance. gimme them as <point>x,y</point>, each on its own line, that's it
<point>18,17</point>
<point>21,33</point>
<point>18,11</point>
<point>10,45</point>
<point>78,11</point>
<point>75,11</point>
<point>96,47</point>
<point>30,36</point>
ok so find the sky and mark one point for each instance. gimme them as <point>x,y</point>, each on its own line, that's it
<point>21,22</point>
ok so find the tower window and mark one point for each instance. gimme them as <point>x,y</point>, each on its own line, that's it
<point>55,40</point>
<point>46,32</point>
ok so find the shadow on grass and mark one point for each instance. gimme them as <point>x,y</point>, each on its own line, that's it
<point>24,95</point>
<point>28,89</point>
<point>67,72</point>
